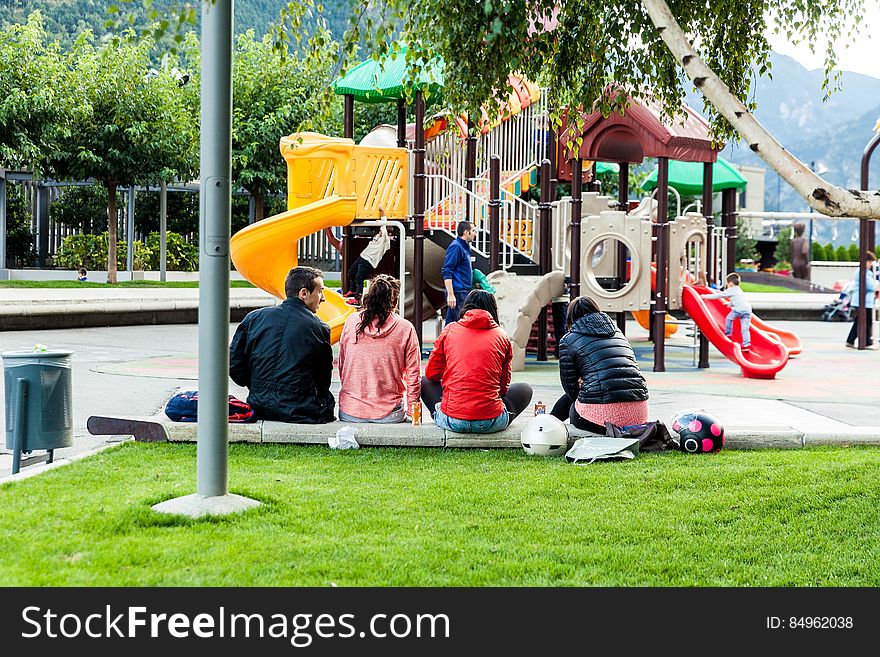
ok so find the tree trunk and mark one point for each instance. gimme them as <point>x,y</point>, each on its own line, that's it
<point>111,232</point>
<point>826,198</point>
<point>259,202</point>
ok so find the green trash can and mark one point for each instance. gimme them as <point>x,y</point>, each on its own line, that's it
<point>39,401</point>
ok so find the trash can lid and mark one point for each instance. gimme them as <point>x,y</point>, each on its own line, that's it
<point>12,355</point>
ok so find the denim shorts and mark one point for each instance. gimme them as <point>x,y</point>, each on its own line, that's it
<point>471,426</point>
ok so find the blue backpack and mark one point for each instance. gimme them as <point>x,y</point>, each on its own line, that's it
<point>184,407</point>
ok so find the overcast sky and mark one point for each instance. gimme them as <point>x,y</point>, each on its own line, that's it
<point>861,57</point>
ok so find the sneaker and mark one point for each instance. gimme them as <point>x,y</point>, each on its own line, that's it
<point>850,345</point>
<point>348,294</point>
<point>353,301</point>
<point>746,349</point>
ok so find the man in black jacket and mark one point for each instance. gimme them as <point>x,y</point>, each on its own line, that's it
<point>282,354</point>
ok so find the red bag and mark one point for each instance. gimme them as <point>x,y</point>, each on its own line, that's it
<point>184,406</point>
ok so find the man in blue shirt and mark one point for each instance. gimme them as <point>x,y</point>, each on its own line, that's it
<point>458,274</point>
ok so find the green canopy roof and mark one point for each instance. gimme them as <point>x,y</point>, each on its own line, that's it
<point>374,81</point>
<point>687,177</point>
<point>607,167</point>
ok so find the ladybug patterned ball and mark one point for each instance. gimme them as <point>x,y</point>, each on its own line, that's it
<point>699,432</point>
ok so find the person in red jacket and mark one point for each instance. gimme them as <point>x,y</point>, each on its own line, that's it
<point>467,386</point>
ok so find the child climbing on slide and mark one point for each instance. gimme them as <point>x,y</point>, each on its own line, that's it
<point>740,308</point>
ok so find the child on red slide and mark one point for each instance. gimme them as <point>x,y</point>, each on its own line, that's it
<point>740,308</point>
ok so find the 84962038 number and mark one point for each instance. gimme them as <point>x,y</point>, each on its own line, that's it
<point>820,622</point>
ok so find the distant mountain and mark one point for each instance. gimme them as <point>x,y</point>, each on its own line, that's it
<point>832,134</point>
<point>67,18</point>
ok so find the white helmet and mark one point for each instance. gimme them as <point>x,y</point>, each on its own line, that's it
<point>545,435</point>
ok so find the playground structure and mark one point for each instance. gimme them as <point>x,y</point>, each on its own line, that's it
<point>429,179</point>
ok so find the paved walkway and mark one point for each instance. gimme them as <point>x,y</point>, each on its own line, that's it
<point>130,371</point>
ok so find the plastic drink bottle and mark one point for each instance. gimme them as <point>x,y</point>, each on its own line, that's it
<point>540,408</point>
<point>417,413</point>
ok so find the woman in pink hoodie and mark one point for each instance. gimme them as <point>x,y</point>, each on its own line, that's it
<point>379,359</point>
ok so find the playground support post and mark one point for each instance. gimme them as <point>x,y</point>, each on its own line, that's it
<point>544,209</point>
<point>623,206</point>
<point>705,266</point>
<point>552,157</point>
<point>163,230</point>
<point>215,217</point>
<point>494,212</point>
<point>42,224</point>
<point>419,215</point>
<point>348,133</point>
<point>574,287</point>
<point>660,293</point>
<point>728,219</point>
<point>401,122</point>
<point>470,167</point>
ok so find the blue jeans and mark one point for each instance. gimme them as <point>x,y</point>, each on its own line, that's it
<point>744,319</point>
<point>471,426</point>
<point>452,314</point>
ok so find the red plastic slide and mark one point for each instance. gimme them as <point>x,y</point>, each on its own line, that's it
<point>768,354</point>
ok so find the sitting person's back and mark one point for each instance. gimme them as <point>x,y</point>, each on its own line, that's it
<point>467,380</point>
<point>599,372</point>
<point>379,359</point>
<point>282,354</point>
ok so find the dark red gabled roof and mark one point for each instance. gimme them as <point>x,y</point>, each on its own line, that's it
<point>640,133</point>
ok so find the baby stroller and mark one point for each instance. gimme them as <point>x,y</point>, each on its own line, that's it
<point>840,310</point>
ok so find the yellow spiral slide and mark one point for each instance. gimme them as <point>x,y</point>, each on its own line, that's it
<point>330,182</point>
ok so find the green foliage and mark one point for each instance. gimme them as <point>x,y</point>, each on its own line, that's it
<point>83,207</point>
<point>830,253</point>
<point>817,251</point>
<point>782,252</point>
<point>182,212</point>
<point>746,246</point>
<point>852,252</point>
<point>20,242</point>
<point>33,94</point>
<point>180,255</point>
<point>841,254</point>
<point>90,251</point>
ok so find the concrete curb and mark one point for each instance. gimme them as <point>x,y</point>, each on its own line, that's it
<point>429,435</point>
<point>36,315</point>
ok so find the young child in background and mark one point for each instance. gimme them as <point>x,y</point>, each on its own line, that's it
<point>740,308</point>
<point>366,263</point>
<point>83,275</point>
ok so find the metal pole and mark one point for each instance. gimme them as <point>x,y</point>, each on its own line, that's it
<point>623,206</point>
<point>544,208</point>
<point>494,212</point>
<point>866,163</point>
<point>215,215</point>
<point>419,215</point>
<point>163,230</point>
<point>574,287</point>
<point>42,193</point>
<point>2,223</point>
<point>705,266</point>
<point>862,312</point>
<point>348,117</point>
<point>662,256</point>
<point>129,229</point>
<point>21,411</point>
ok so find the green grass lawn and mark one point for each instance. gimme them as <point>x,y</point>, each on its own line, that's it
<point>413,517</point>
<point>761,287</point>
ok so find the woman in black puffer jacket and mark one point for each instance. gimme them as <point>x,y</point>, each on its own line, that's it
<point>599,372</point>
